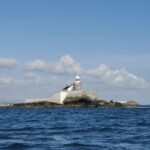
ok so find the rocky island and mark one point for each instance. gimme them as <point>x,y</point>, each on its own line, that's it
<point>73,96</point>
<point>75,102</point>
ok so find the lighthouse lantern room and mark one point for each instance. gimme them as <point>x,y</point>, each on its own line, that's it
<point>77,83</point>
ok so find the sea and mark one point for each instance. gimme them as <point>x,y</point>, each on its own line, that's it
<point>75,128</point>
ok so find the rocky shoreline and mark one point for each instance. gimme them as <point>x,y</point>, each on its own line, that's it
<point>75,103</point>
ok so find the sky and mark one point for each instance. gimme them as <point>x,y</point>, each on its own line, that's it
<point>45,43</point>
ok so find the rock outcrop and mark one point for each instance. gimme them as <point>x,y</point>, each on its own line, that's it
<point>79,99</point>
<point>82,97</point>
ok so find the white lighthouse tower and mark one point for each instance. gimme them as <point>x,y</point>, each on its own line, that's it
<point>77,83</point>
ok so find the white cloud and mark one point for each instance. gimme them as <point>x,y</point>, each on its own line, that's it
<point>67,65</point>
<point>37,65</point>
<point>119,77</point>
<point>8,62</point>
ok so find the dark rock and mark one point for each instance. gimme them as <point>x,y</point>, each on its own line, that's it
<point>36,104</point>
<point>75,102</point>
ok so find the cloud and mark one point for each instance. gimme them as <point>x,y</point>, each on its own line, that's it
<point>8,62</point>
<point>37,65</point>
<point>118,78</point>
<point>67,65</point>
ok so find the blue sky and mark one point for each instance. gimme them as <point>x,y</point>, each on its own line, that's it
<point>91,32</point>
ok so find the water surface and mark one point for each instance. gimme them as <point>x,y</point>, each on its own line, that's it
<point>74,129</point>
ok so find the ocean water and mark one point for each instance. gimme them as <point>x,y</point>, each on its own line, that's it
<point>75,129</point>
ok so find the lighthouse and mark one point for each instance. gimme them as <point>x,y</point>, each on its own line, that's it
<point>72,92</point>
<point>77,83</point>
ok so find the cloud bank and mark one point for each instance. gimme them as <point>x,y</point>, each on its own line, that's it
<point>66,65</point>
<point>120,77</point>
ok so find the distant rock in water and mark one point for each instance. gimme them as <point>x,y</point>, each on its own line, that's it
<point>123,103</point>
<point>131,103</point>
